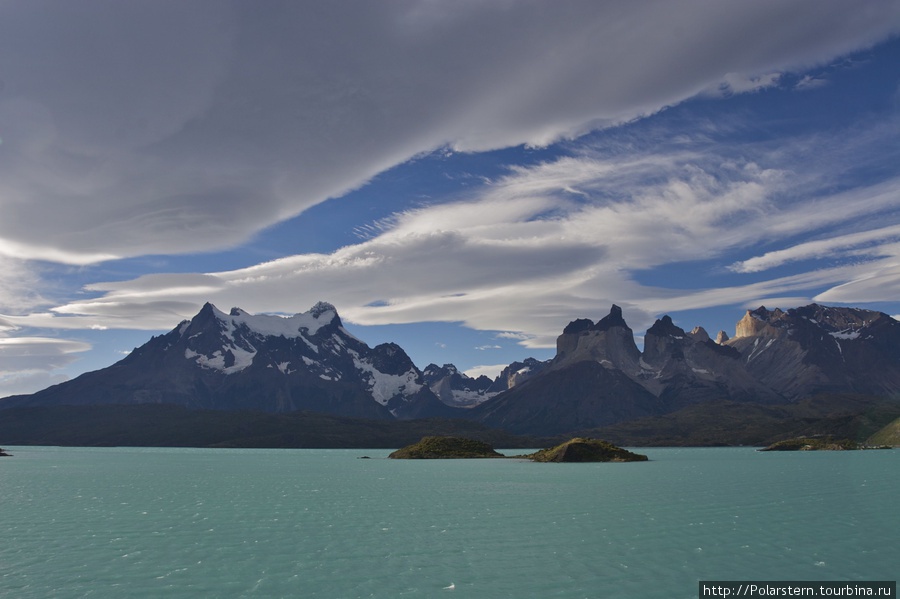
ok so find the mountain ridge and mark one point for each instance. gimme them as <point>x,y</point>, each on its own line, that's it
<point>598,377</point>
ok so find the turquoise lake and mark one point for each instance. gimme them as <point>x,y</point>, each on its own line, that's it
<point>135,522</point>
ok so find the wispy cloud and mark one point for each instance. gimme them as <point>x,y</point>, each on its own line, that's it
<point>808,82</point>
<point>26,360</point>
<point>192,128</point>
<point>522,255</point>
<point>870,242</point>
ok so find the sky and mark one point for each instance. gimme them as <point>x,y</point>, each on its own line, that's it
<point>460,177</point>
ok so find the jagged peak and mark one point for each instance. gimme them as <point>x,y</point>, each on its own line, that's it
<point>613,319</point>
<point>389,349</point>
<point>760,313</point>
<point>699,334</point>
<point>578,326</point>
<point>319,316</point>
<point>828,318</point>
<point>321,308</point>
<point>664,327</point>
<point>207,313</point>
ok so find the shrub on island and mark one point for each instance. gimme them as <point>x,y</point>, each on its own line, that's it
<point>812,444</point>
<point>434,448</point>
<point>582,449</point>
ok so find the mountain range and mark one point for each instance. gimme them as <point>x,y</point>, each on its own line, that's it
<point>240,362</point>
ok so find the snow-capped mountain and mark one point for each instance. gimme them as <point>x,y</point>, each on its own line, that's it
<point>268,363</point>
<point>310,362</point>
<point>456,389</point>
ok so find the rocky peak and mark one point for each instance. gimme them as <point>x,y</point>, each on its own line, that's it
<point>610,342</point>
<point>759,323</point>
<point>664,327</point>
<point>722,337</point>
<point>434,373</point>
<point>613,319</point>
<point>699,334</point>
<point>321,308</point>
<point>578,326</point>
<point>390,358</point>
<point>663,342</point>
<point>836,320</point>
<point>517,373</point>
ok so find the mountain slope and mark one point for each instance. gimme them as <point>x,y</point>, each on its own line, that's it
<point>582,395</point>
<point>263,363</point>
<point>815,349</point>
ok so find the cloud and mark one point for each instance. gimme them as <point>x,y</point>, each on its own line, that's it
<point>855,244</point>
<point>26,382</point>
<point>20,286</point>
<point>880,282</point>
<point>739,83</point>
<point>190,128</point>
<point>523,255</point>
<point>29,363</point>
<point>23,353</point>
<point>808,82</point>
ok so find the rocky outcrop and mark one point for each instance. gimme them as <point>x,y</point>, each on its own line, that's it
<point>609,342</point>
<point>586,450</point>
<point>435,448</point>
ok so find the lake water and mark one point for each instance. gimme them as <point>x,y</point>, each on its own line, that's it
<point>126,522</point>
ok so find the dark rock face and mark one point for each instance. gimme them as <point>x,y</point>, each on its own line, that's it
<point>599,377</point>
<point>819,349</point>
<point>609,342</point>
<point>583,395</point>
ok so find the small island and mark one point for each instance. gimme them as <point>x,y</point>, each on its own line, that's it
<point>3,454</point>
<point>813,444</point>
<point>573,450</point>
<point>581,449</point>
<point>437,448</point>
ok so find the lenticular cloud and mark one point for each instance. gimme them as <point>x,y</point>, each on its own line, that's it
<point>189,128</point>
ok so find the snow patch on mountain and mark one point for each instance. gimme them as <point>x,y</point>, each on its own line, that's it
<point>241,359</point>
<point>848,334</point>
<point>272,325</point>
<point>383,387</point>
